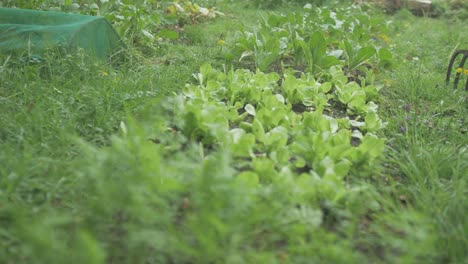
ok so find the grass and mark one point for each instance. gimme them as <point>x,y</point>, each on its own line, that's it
<point>430,156</point>
<point>82,182</point>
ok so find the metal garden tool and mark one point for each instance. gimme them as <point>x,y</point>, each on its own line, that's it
<point>460,69</point>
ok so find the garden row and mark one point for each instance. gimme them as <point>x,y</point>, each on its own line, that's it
<point>321,122</point>
<point>258,167</point>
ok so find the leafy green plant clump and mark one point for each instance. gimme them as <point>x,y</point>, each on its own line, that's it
<point>313,40</point>
<point>273,130</point>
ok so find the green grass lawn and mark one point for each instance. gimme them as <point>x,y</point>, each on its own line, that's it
<point>165,159</point>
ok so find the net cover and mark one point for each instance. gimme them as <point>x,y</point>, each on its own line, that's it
<point>34,32</point>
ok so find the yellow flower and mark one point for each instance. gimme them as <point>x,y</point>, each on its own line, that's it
<point>465,72</point>
<point>385,38</point>
<point>221,42</point>
<point>459,70</point>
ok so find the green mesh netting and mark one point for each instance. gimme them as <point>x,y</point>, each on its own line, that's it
<point>34,32</point>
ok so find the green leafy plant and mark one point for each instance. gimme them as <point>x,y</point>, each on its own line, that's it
<point>315,40</point>
<point>256,118</point>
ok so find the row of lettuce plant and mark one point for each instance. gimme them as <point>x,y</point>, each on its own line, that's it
<point>313,40</point>
<point>322,122</point>
<point>293,127</point>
